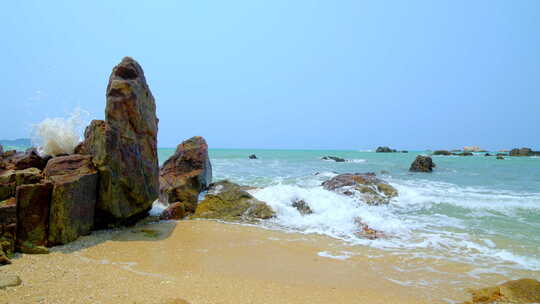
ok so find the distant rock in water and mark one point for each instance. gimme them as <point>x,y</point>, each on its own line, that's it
<point>464,154</point>
<point>521,152</point>
<point>517,291</point>
<point>442,152</point>
<point>124,148</point>
<point>229,201</point>
<point>186,173</point>
<point>500,157</point>
<point>487,154</point>
<point>1,151</point>
<point>334,158</point>
<point>384,150</point>
<point>366,186</point>
<point>253,156</point>
<point>404,151</point>
<point>422,164</point>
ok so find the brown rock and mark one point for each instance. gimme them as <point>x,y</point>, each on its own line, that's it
<point>8,226</point>
<point>366,186</point>
<point>521,152</point>
<point>516,291</point>
<point>74,197</point>
<point>33,207</point>
<point>175,211</point>
<point>124,148</point>
<point>422,164</point>
<point>186,173</point>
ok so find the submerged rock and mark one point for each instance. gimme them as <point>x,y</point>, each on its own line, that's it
<point>74,197</point>
<point>334,158</point>
<point>33,209</point>
<point>516,291</point>
<point>253,156</point>
<point>186,173</point>
<point>229,201</point>
<point>422,164</point>
<point>366,186</point>
<point>384,150</point>
<point>124,148</point>
<point>302,207</point>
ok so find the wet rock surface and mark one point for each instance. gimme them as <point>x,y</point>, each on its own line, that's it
<point>334,158</point>
<point>422,164</point>
<point>366,186</point>
<point>33,208</point>
<point>175,211</point>
<point>302,206</point>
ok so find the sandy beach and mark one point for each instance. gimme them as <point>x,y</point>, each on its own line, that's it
<point>199,261</point>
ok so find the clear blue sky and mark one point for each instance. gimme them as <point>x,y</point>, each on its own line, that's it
<point>286,74</point>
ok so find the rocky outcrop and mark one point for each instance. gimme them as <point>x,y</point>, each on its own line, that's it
<point>334,158</point>
<point>124,147</point>
<point>228,201</point>
<point>517,291</point>
<point>365,186</point>
<point>385,150</point>
<point>186,173</point>
<point>176,211</point>
<point>10,179</point>
<point>422,164</point>
<point>74,197</point>
<point>521,152</point>
<point>33,207</point>
<point>24,160</point>
<point>253,156</point>
<point>442,152</point>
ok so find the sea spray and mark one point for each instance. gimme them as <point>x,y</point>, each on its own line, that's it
<point>55,136</point>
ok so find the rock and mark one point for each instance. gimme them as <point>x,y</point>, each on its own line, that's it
<point>33,208</point>
<point>334,158</point>
<point>366,186</point>
<point>228,201</point>
<point>404,151</point>
<point>384,150</point>
<point>1,151</point>
<point>10,179</point>
<point>521,152</point>
<point>463,154</point>
<point>186,173</point>
<point>74,197</point>
<point>442,152</point>
<point>124,148</point>
<point>472,149</point>
<point>175,211</point>
<point>422,164</point>
<point>302,207</point>
<point>23,160</point>
<point>8,229</point>
<point>516,291</point>
<point>500,157</point>
<point>253,156</point>
<point>9,280</point>
<point>367,232</point>
<point>487,154</point>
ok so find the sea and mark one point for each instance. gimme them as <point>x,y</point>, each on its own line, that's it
<point>471,209</point>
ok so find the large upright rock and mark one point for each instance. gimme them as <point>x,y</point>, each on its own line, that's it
<point>422,164</point>
<point>33,205</point>
<point>186,173</point>
<point>74,197</point>
<point>124,147</point>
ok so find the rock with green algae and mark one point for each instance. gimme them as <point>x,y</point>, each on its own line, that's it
<point>74,197</point>
<point>186,173</point>
<point>33,207</point>
<point>124,148</point>
<point>516,292</point>
<point>229,201</point>
<point>369,188</point>
<point>10,179</point>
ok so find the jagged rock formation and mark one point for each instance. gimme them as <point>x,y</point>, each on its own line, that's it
<point>422,164</point>
<point>366,186</point>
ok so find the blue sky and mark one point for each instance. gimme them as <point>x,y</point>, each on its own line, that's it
<point>286,74</point>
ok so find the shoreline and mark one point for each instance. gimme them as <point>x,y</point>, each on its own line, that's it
<point>204,261</point>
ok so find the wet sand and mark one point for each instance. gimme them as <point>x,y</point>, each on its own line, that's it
<point>212,262</point>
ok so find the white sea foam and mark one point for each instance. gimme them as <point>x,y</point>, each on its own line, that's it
<point>60,135</point>
<point>326,254</point>
<point>157,208</point>
<point>357,160</point>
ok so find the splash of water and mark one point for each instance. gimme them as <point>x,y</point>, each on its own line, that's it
<point>55,136</point>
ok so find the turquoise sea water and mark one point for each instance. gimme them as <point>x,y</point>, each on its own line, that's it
<point>474,209</point>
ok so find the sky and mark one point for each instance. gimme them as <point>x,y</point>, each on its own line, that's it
<point>284,74</point>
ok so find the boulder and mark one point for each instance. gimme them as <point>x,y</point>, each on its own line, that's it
<point>442,152</point>
<point>10,179</point>
<point>253,156</point>
<point>229,201</point>
<point>124,148</point>
<point>73,199</point>
<point>175,211</point>
<point>334,158</point>
<point>8,229</point>
<point>521,152</point>
<point>366,186</point>
<point>422,164</point>
<point>186,173</point>
<point>23,160</point>
<point>302,206</point>
<point>384,150</point>
<point>516,291</point>
<point>33,208</point>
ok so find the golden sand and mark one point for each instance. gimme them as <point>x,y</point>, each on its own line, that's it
<point>211,262</point>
